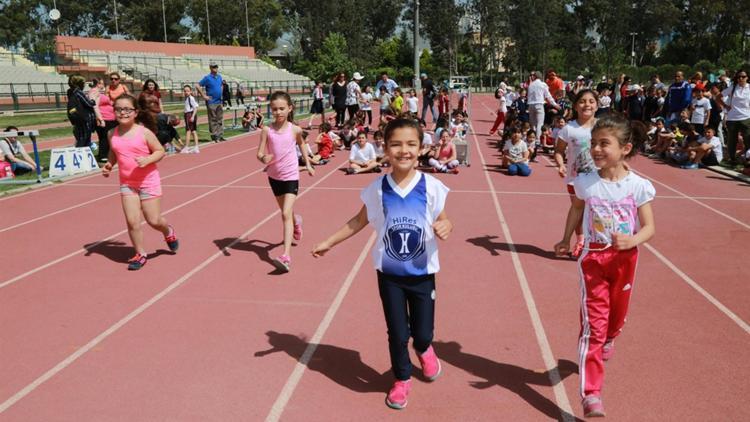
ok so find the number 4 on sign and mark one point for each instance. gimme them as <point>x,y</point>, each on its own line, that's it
<point>60,163</point>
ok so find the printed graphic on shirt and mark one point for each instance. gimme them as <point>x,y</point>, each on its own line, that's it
<point>583,161</point>
<point>608,217</point>
<point>405,230</point>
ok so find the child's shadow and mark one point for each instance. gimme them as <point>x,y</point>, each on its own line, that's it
<point>513,378</point>
<point>118,251</point>
<point>493,247</point>
<point>259,247</point>
<point>342,366</point>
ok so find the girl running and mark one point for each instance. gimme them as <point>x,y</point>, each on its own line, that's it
<point>575,137</point>
<point>615,205</point>
<point>134,147</point>
<point>279,139</point>
<point>407,209</point>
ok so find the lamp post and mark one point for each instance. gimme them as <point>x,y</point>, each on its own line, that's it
<point>632,49</point>
<point>208,24</point>
<point>117,25</point>
<point>417,81</point>
<point>247,25</point>
<point>164,19</point>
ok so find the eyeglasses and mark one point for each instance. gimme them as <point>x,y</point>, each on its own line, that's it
<point>114,79</point>
<point>742,76</point>
<point>124,110</point>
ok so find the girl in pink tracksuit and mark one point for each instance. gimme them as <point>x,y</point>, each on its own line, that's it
<point>615,206</point>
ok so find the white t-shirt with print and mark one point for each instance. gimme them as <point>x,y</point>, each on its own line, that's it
<point>412,103</point>
<point>385,101</point>
<point>516,151</point>
<point>366,101</point>
<point>702,107</point>
<point>611,207</point>
<point>579,158</point>
<point>716,147</point>
<point>352,93</point>
<point>402,219</point>
<point>739,101</point>
<point>362,154</point>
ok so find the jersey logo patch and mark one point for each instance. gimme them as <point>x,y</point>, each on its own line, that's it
<point>404,242</point>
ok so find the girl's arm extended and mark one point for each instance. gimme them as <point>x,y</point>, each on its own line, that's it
<point>560,146</point>
<point>352,227</point>
<point>111,157</point>
<point>262,156</point>
<point>575,213</point>
<point>647,231</point>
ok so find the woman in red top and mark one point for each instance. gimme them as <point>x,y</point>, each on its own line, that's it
<point>116,89</point>
<point>150,87</point>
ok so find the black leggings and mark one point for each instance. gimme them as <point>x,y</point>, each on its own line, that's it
<point>409,308</point>
<point>101,133</point>
<point>340,115</point>
<point>369,117</point>
<point>352,110</point>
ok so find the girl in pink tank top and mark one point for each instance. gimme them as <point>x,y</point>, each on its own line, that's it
<point>277,151</point>
<point>135,149</point>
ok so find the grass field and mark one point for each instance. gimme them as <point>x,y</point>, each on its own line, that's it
<point>34,119</point>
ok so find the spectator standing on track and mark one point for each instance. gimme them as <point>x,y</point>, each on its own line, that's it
<point>13,152</point>
<point>678,98</point>
<point>574,140</point>
<point>407,210</point>
<point>502,108</point>
<point>135,150</point>
<point>700,110</point>
<point>190,115</point>
<point>389,84</point>
<point>737,106</point>
<point>240,96</point>
<point>107,115</point>
<point>317,106</point>
<point>277,151</point>
<point>615,206</point>
<point>536,95</point>
<point>353,95</point>
<point>366,102</point>
<point>429,92</point>
<point>226,94</point>
<point>212,83</point>
<point>116,87</point>
<point>150,87</point>
<point>81,111</point>
<point>338,98</point>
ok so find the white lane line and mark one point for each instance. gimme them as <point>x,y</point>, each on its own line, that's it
<point>78,251</point>
<point>727,216</point>
<point>687,279</point>
<point>561,397</point>
<point>119,324</point>
<point>6,196</point>
<point>299,368</point>
<point>726,311</point>
<point>82,204</point>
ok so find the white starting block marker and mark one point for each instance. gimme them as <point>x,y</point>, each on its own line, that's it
<point>69,161</point>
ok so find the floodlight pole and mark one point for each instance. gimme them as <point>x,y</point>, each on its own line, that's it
<point>417,81</point>
<point>117,25</point>
<point>208,24</point>
<point>247,25</point>
<point>164,19</point>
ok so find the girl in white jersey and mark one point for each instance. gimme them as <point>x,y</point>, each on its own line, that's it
<point>575,138</point>
<point>615,205</point>
<point>277,151</point>
<point>407,211</point>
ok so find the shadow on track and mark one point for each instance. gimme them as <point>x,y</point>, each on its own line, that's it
<point>118,251</point>
<point>510,377</point>
<point>342,366</point>
<point>486,242</point>
<point>259,247</point>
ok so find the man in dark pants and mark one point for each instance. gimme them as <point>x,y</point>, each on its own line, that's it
<point>213,96</point>
<point>428,98</point>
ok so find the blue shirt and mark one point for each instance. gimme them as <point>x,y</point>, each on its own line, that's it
<point>679,97</point>
<point>212,85</point>
<point>389,84</point>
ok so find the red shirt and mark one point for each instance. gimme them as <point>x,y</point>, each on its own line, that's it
<point>325,147</point>
<point>555,85</point>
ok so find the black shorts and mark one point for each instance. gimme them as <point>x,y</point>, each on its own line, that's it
<point>282,187</point>
<point>190,124</point>
<point>317,107</point>
<point>710,159</point>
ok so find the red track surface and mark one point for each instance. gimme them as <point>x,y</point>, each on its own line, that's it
<point>216,334</point>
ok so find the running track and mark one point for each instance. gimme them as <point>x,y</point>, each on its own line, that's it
<point>213,333</point>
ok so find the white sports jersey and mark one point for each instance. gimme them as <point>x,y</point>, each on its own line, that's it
<point>403,218</point>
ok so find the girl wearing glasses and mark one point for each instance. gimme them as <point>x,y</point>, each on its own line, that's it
<point>135,148</point>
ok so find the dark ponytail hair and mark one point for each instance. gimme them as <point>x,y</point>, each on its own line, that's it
<point>143,116</point>
<point>283,95</point>
<point>627,132</point>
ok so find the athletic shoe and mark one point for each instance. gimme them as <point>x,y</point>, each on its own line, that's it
<point>608,350</point>
<point>654,156</point>
<point>297,227</point>
<point>397,397</point>
<point>578,248</point>
<point>431,368</point>
<point>691,166</point>
<point>137,262</point>
<point>593,407</point>
<point>454,170</point>
<point>171,240</point>
<point>185,150</point>
<point>282,263</point>
<point>350,171</point>
<point>222,140</point>
<point>196,150</point>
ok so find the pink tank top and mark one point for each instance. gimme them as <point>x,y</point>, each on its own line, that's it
<point>106,108</point>
<point>126,150</point>
<point>446,151</point>
<point>281,144</point>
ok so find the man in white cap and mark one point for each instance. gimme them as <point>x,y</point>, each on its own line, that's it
<point>353,95</point>
<point>635,103</point>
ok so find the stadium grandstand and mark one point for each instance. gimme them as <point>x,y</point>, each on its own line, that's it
<point>172,65</point>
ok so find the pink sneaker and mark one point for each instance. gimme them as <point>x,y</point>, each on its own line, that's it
<point>397,397</point>
<point>593,407</point>
<point>431,368</point>
<point>282,263</point>
<point>297,227</point>
<point>608,350</point>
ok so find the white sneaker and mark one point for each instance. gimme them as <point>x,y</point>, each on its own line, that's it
<point>185,150</point>
<point>196,150</point>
